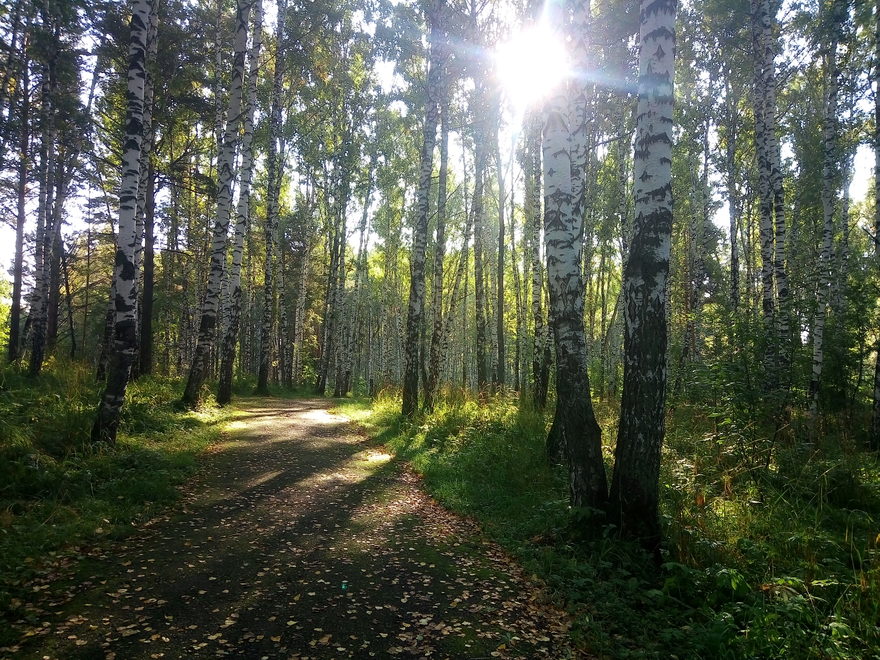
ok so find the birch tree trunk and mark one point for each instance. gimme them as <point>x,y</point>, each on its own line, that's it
<point>634,494</point>
<point>575,430</point>
<point>420,231</point>
<point>732,190</point>
<point>124,347</point>
<point>44,233</point>
<point>764,67</point>
<point>242,215</point>
<point>479,275</point>
<point>518,297</point>
<point>541,354</point>
<point>431,386</point>
<point>500,375</point>
<point>273,166</point>
<point>211,305</point>
<point>830,183</point>
<point>145,211</point>
<point>773,231</point>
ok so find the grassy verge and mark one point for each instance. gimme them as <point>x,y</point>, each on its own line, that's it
<point>765,558</point>
<point>58,492</point>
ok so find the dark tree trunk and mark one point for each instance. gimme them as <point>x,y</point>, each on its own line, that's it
<point>20,218</point>
<point>437,353</point>
<point>273,192</point>
<point>500,374</point>
<point>145,363</point>
<point>479,276</point>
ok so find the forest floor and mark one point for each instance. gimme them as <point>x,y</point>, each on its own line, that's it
<point>299,538</point>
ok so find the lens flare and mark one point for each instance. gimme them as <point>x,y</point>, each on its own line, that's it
<point>531,64</point>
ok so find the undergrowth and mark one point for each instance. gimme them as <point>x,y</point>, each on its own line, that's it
<point>58,491</point>
<point>770,553</point>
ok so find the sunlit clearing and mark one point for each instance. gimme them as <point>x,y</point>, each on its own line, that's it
<point>531,64</point>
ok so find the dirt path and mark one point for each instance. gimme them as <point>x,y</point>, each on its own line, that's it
<point>298,540</point>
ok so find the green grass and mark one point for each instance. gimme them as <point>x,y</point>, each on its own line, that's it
<point>58,492</point>
<point>765,558</point>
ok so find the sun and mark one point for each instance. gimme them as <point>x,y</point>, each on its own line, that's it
<point>531,64</point>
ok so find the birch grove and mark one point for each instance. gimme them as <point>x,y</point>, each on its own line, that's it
<point>458,207</point>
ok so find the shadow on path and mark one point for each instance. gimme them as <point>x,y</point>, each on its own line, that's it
<point>299,540</point>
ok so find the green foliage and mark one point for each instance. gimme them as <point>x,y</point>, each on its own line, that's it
<point>5,293</point>
<point>58,491</point>
<point>762,560</point>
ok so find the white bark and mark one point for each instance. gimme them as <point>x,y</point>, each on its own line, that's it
<point>575,432</point>
<point>420,231</point>
<point>830,184</point>
<point>232,305</point>
<point>635,484</point>
<point>225,177</point>
<point>124,345</point>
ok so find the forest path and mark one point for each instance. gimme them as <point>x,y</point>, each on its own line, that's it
<point>299,539</point>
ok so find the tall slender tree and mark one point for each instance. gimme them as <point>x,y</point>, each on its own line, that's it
<point>124,347</point>
<point>874,438</point>
<point>478,212</point>
<point>634,497</point>
<point>242,215</point>
<point>412,361</point>
<point>437,334</point>
<point>575,434</point>
<point>146,206</point>
<point>21,204</point>
<point>830,184</point>
<point>211,305</point>
<point>541,355</point>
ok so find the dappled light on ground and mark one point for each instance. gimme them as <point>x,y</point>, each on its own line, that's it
<point>299,540</point>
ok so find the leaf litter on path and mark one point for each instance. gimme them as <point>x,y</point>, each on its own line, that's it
<point>297,540</point>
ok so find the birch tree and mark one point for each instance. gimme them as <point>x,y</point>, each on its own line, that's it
<point>242,215</point>
<point>124,346</point>
<point>145,210</point>
<point>21,202</point>
<point>211,306</point>
<point>420,230</point>
<point>437,334</point>
<point>774,277</point>
<point>634,497</point>
<point>43,238</point>
<point>273,193</point>
<point>575,433</point>
<point>830,184</point>
<point>874,438</point>
<point>541,355</point>
<point>478,212</point>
